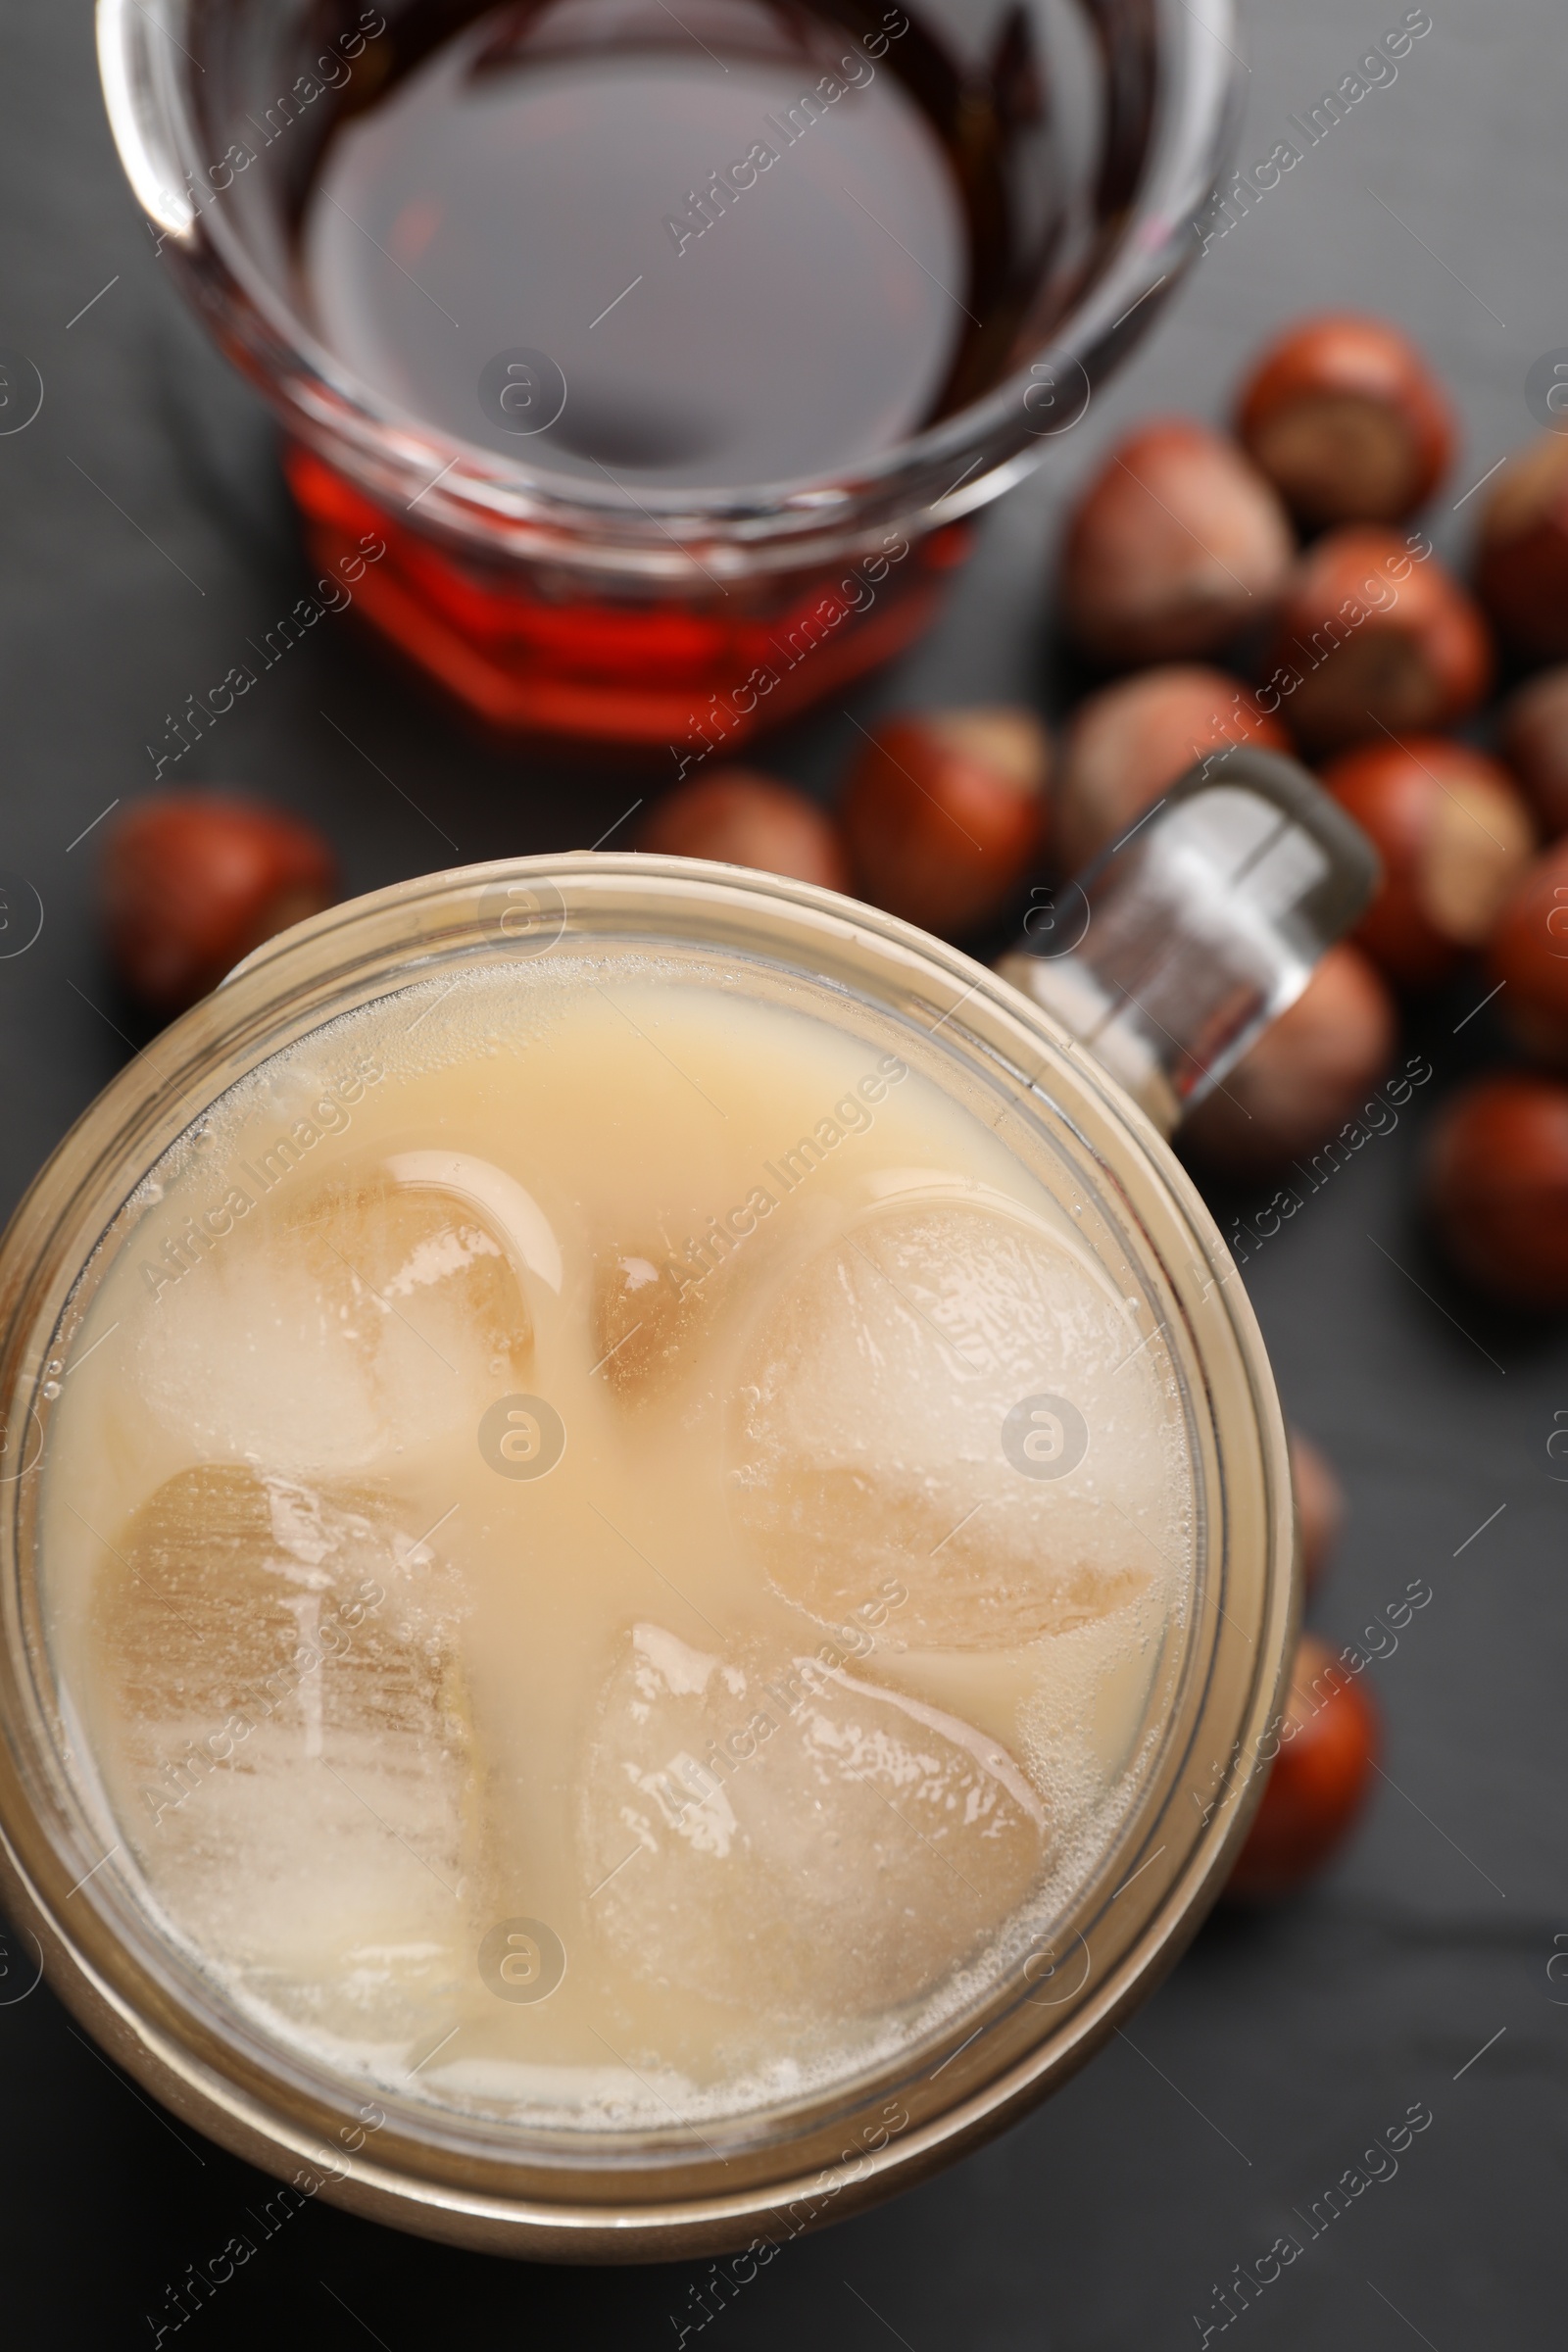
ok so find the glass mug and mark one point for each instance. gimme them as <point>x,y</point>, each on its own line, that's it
<point>1171,953</point>
<point>743,483</point>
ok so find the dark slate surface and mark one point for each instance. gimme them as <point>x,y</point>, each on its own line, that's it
<point>1283,2045</point>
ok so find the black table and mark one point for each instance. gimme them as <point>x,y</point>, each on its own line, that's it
<point>145,537</point>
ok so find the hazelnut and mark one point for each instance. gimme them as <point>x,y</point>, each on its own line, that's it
<point>1319,1506</point>
<point>1495,1187</point>
<point>741,818</point>
<point>1309,1071</point>
<point>1522,555</point>
<point>943,813</point>
<point>1454,836</point>
<point>1318,1782</point>
<point>1132,738</point>
<point>1529,956</point>
<point>1348,422</point>
<point>1177,545</point>
<point>1372,631</point>
<point>1533,738</point>
<point>192,881</point>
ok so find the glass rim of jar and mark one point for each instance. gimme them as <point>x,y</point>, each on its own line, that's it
<point>1188,89</point>
<point>590,2195</point>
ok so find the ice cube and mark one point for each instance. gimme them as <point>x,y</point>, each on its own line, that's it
<point>326,1338</point>
<point>648,1312</point>
<point>875,1449</point>
<point>794,1840</point>
<point>287,1740</point>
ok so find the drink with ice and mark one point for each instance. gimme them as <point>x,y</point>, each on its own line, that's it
<point>616,1546</point>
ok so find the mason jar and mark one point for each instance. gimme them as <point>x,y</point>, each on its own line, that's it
<point>1170,956</point>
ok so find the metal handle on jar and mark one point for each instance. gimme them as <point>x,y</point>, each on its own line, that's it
<point>1170,953</point>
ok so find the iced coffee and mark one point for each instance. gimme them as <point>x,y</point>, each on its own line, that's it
<point>612,1544</point>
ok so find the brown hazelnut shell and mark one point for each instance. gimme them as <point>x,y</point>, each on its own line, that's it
<point>192,881</point>
<point>1176,546</point>
<point>1453,834</point>
<point>739,817</point>
<point>1347,420</point>
<point>945,813</point>
<point>1133,738</point>
<point>1495,1187</point>
<point>1372,634</point>
<point>1308,1073</point>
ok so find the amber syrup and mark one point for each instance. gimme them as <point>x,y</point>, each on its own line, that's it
<point>745,247</point>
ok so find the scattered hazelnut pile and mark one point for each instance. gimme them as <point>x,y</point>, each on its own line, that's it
<point>1362,653</point>
<point>1270,589</point>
